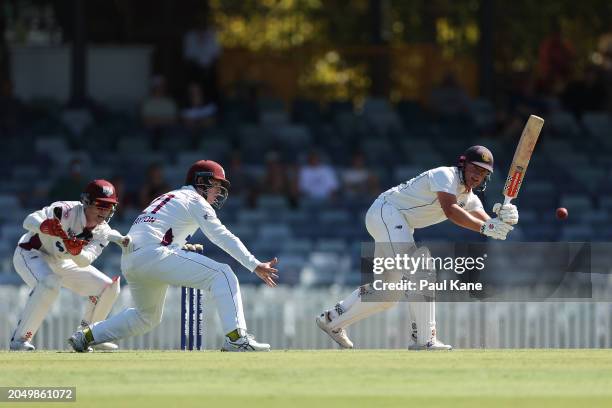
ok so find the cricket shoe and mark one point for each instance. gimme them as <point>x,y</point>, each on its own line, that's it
<point>79,343</point>
<point>21,345</point>
<point>432,345</point>
<point>338,335</point>
<point>244,343</point>
<point>108,346</point>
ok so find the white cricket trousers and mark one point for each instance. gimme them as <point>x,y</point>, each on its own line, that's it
<point>150,270</point>
<point>45,276</point>
<point>392,235</point>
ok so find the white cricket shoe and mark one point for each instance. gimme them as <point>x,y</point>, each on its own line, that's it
<point>21,345</point>
<point>108,346</point>
<point>338,335</point>
<point>79,342</point>
<point>244,343</point>
<point>432,345</point>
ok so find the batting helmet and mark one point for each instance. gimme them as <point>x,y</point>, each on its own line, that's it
<point>100,193</point>
<point>200,175</point>
<point>479,156</point>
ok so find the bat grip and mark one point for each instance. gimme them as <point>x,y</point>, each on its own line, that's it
<point>507,200</point>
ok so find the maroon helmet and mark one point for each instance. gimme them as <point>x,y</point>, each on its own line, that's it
<point>200,175</point>
<point>100,193</point>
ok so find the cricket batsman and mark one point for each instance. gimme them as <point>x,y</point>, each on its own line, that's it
<point>62,242</point>
<point>430,198</point>
<point>156,259</point>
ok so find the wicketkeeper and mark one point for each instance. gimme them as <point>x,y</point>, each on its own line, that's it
<point>62,241</point>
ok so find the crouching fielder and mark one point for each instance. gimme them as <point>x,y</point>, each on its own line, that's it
<point>62,241</point>
<point>431,197</point>
<point>156,260</point>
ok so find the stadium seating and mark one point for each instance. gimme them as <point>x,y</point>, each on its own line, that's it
<point>318,241</point>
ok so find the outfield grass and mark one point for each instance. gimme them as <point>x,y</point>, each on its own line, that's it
<point>316,379</point>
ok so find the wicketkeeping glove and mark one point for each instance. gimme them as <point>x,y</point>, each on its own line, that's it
<point>495,228</point>
<point>53,227</point>
<point>508,213</point>
<point>74,245</point>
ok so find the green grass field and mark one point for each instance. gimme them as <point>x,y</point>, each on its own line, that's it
<point>316,379</point>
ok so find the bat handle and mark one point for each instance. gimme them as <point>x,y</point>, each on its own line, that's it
<point>507,200</point>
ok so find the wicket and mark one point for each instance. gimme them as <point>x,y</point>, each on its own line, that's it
<point>192,318</point>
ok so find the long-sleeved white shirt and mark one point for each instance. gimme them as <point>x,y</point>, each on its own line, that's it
<point>172,218</point>
<point>73,222</point>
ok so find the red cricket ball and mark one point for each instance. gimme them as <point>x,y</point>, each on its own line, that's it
<point>562,213</point>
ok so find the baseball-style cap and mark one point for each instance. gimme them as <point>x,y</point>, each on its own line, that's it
<point>101,191</point>
<point>479,156</point>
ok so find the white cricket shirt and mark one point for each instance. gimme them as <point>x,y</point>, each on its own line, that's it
<point>73,222</point>
<point>173,217</point>
<point>417,198</point>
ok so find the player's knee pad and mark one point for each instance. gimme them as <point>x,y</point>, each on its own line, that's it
<point>103,303</point>
<point>358,311</point>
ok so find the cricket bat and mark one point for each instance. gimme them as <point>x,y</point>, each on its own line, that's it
<point>521,158</point>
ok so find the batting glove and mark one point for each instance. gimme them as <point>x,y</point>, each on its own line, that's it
<point>508,213</point>
<point>495,228</point>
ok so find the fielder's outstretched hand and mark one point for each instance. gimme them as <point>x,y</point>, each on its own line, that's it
<point>267,272</point>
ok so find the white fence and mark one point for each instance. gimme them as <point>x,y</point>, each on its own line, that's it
<point>284,317</point>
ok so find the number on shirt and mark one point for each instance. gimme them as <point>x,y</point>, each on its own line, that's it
<point>164,200</point>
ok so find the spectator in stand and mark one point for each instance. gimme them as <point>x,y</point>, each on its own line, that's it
<point>556,61</point>
<point>523,101</point>
<point>586,93</point>
<point>158,110</point>
<point>69,185</point>
<point>317,180</point>
<point>154,186</point>
<point>201,52</point>
<point>449,99</point>
<point>198,112</point>
<point>243,182</point>
<point>604,57</point>
<point>11,109</point>
<point>357,180</point>
<point>127,198</point>
<point>279,179</point>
